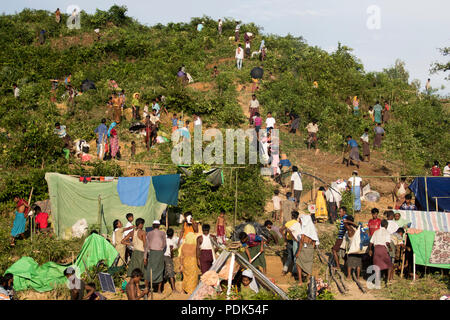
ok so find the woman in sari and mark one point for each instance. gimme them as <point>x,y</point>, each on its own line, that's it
<point>188,260</point>
<point>114,141</point>
<point>117,237</point>
<point>116,102</point>
<point>321,205</point>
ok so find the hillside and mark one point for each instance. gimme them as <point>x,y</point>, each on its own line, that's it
<point>146,59</point>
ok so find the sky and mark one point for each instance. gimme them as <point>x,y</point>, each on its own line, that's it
<point>379,31</point>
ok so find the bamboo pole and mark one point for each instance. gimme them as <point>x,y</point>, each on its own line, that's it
<point>403,263</point>
<point>414,267</point>
<point>31,218</point>
<point>426,193</point>
<point>235,200</point>
<point>151,284</point>
<point>99,216</point>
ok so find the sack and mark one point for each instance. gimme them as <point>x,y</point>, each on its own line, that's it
<point>354,247</point>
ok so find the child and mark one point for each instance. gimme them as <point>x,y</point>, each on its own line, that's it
<point>258,122</point>
<point>41,220</point>
<point>132,288</point>
<point>435,170</point>
<point>133,149</point>
<point>253,245</point>
<point>276,205</point>
<point>93,294</point>
<point>146,113</point>
<point>174,122</point>
<point>129,249</point>
<point>375,222</point>
<point>171,244</point>
<point>248,284</point>
<point>205,249</point>
<point>371,115</point>
<point>221,227</point>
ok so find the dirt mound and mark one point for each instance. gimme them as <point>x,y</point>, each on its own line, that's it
<point>201,86</point>
<point>219,61</point>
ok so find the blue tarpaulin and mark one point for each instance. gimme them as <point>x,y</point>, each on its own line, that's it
<point>166,188</point>
<point>435,187</point>
<point>133,191</point>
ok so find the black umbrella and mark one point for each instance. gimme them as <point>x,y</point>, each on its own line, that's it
<point>87,85</point>
<point>137,127</point>
<point>257,73</point>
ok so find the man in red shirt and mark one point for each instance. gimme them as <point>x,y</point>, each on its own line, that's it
<point>435,170</point>
<point>374,223</point>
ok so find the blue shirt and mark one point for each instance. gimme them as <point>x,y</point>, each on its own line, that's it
<point>199,27</point>
<point>102,130</point>
<point>174,122</point>
<point>285,163</point>
<point>156,107</point>
<point>341,232</point>
<point>352,143</point>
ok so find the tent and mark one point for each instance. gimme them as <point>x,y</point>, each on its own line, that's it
<point>436,188</point>
<point>99,202</point>
<point>262,280</point>
<point>29,275</point>
<point>429,235</point>
<point>87,85</point>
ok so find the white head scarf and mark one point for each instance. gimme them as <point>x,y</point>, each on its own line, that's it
<point>308,228</point>
<point>253,285</point>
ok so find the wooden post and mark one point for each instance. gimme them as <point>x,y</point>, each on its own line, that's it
<point>414,267</point>
<point>167,218</point>
<point>426,193</point>
<point>151,284</point>
<point>403,262</point>
<point>437,207</point>
<point>99,217</point>
<point>31,218</point>
<point>235,200</point>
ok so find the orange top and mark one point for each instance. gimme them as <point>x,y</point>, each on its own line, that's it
<point>187,228</point>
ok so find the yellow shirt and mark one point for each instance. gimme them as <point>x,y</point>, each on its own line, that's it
<point>289,225</point>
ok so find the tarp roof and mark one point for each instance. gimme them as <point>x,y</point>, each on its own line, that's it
<point>29,275</point>
<point>72,200</point>
<point>434,187</point>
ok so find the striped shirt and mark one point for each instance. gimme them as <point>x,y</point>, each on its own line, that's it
<point>341,232</point>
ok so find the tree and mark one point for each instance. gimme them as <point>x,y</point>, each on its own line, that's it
<point>444,67</point>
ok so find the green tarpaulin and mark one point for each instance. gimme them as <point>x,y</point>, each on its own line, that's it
<point>72,200</point>
<point>422,244</point>
<point>95,248</point>
<point>29,275</point>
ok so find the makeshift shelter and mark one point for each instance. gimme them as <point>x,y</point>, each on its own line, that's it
<point>220,262</point>
<point>29,275</point>
<point>101,202</point>
<point>214,175</point>
<point>430,191</point>
<point>430,237</point>
<point>87,85</point>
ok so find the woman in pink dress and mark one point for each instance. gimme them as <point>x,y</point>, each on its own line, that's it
<point>114,141</point>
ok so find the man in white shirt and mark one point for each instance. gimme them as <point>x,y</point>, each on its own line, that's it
<point>392,225</point>
<point>270,122</point>
<point>354,183</point>
<point>239,56</point>
<point>312,128</point>
<point>296,185</point>
<point>220,23</point>
<point>236,32</point>
<point>16,91</point>
<point>379,245</point>
<point>446,172</point>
